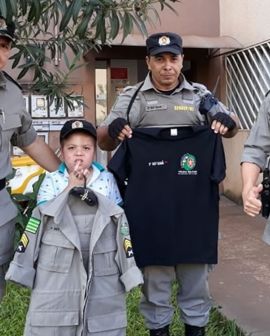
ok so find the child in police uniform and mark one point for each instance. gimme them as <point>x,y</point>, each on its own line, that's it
<point>75,253</point>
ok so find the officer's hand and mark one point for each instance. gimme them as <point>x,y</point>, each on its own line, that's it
<point>251,200</point>
<point>222,123</point>
<point>119,129</point>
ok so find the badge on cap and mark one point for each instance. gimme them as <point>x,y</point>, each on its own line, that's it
<point>3,25</point>
<point>164,40</point>
<point>77,124</point>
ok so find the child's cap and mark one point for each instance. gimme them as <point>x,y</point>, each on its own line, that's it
<point>71,126</point>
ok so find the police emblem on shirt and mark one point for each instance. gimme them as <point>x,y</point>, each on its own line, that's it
<point>164,40</point>
<point>187,164</point>
<point>128,248</point>
<point>22,243</point>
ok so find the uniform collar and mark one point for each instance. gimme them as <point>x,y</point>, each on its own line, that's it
<point>185,85</point>
<point>56,208</point>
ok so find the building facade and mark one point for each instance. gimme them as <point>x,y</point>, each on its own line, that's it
<point>225,47</point>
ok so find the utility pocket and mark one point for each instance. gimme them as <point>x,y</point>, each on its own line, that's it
<point>56,252</point>
<point>9,121</point>
<point>104,258</point>
<point>53,313</point>
<point>8,124</point>
<point>52,318</point>
<point>109,324</point>
<point>52,323</point>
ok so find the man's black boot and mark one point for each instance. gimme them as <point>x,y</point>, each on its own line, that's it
<point>160,332</point>
<point>194,331</point>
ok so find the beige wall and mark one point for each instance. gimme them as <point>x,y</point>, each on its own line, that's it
<point>246,20</point>
<point>195,17</point>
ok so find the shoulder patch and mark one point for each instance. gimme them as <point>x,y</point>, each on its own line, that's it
<point>200,87</point>
<point>133,87</point>
<point>32,225</point>
<point>128,88</point>
<point>12,80</point>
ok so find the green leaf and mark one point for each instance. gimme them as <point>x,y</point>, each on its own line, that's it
<point>67,16</point>
<point>127,24</point>
<point>77,6</point>
<point>140,25</point>
<point>12,8</point>
<point>82,27</point>
<point>16,57</point>
<point>115,25</point>
<point>23,72</point>
<point>100,29</point>
<point>3,8</point>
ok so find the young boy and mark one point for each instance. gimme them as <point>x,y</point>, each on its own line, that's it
<point>76,253</point>
<point>78,149</point>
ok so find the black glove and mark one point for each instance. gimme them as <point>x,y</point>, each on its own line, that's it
<point>207,102</point>
<point>116,127</point>
<point>225,120</point>
<point>85,194</point>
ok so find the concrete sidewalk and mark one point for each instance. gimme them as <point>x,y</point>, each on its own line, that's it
<point>240,283</point>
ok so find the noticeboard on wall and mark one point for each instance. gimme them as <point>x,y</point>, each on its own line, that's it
<point>78,108</point>
<point>39,106</point>
<point>57,113</point>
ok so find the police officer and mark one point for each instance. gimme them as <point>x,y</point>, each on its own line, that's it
<point>15,129</point>
<point>253,161</point>
<point>166,98</point>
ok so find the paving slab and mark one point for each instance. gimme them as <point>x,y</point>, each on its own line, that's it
<point>240,283</point>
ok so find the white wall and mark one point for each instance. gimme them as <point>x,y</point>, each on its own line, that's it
<point>246,20</point>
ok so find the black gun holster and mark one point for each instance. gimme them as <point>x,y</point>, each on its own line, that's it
<point>265,194</point>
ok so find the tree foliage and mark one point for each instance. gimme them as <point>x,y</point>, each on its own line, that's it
<point>49,29</point>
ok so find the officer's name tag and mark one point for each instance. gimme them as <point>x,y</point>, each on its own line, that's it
<point>174,131</point>
<point>159,107</point>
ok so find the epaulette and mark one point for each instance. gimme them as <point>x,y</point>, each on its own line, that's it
<point>199,87</point>
<point>12,80</point>
<point>127,88</point>
<point>133,87</point>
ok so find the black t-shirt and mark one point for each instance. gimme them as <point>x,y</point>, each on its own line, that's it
<point>172,196</point>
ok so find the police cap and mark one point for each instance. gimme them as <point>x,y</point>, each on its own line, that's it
<point>72,126</point>
<point>164,43</point>
<point>7,29</point>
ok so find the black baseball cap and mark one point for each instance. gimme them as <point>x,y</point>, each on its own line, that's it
<point>164,42</point>
<point>72,126</point>
<point>7,29</point>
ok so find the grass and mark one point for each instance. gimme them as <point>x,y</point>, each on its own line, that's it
<point>14,307</point>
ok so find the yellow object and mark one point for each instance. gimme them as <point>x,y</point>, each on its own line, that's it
<point>27,173</point>
<point>18,161</point>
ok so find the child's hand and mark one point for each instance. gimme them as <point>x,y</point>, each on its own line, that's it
<point>77,177</point>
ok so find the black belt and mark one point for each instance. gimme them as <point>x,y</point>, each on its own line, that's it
<point>2,183</point>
